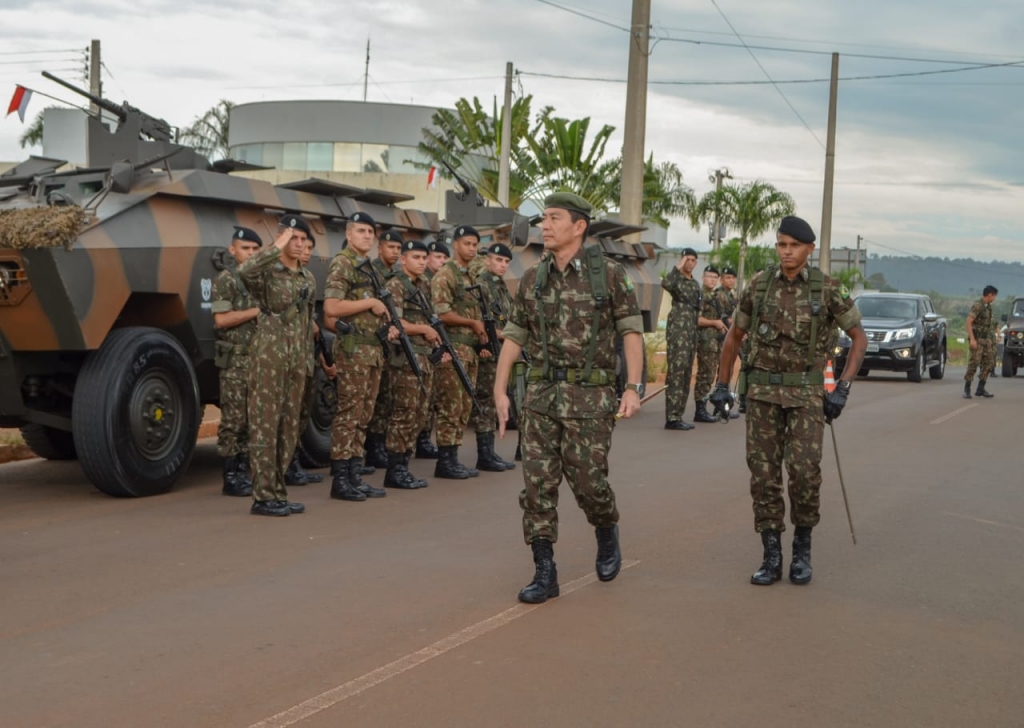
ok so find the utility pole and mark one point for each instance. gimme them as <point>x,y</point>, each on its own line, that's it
<point>858,257</point>
<point>366,75</point>
<point>506,140</point>
<point>717,178</point>
<point>95,83</point>
<point>631,198</point>
<point>825,257</point>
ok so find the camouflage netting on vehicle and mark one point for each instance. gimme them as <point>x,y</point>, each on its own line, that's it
<point>41,227</point>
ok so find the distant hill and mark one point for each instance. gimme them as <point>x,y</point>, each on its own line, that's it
<point>949,276</point>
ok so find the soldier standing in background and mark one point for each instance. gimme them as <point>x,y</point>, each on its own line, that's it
<point>437,255</point>
<point>460,313</point>
<point>568,309</point>
<point>681,337</point>
<point>389,250</point>
<point>983,351</point>
<point>727,302</point>
<point>349,296</point>
<point>484,421</point>
<point>234,316</point>
<point>280,363</point>
<point>710,326</point>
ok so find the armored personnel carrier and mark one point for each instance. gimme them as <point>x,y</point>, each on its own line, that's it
<point>106,337</point>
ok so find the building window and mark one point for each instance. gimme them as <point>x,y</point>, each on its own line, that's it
<point>250,153</point>
<point>294,156</point>
<point>347,157</point>
<point>273,155</point>
<point>375,158</point>
<point>400,160</point>
<point>320,157</point>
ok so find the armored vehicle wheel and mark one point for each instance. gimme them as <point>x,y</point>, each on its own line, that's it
<point>49,442</point>
<point>135,414</point>
<point>1009,370</point>
<point>620,368</point>
<point>939,370</point>
<point>917,373</point>
<point>315,440</point>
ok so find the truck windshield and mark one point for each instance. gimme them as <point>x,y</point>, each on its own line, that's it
<point>886,308</point>
<point>1018,307</point>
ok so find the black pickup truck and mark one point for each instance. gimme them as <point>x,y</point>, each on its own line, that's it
<point>1013,344</point>
<point>905,334</point>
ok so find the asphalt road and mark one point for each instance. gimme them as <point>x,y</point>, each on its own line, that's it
<point>183,610</point>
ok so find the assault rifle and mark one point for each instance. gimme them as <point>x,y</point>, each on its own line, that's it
<point>384,296</point>
<point>341,328</point>
<point>490,323</point>
<point>446,346</point>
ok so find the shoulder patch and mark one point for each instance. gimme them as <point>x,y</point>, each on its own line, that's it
<point>844,291</point>
<point>629,283</point>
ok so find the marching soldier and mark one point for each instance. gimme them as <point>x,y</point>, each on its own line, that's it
<point>389,250</point>
<point>983,353</point>
<point>460,313</point>
<point>285,293</point>
<point>349,296</point>
<point>568,309</point>
<point>484,421</point>
<point>791,313</point>
<point>681,337</point>
<point>437,255</point>
<point>710,326</point>
<point>234,316</point>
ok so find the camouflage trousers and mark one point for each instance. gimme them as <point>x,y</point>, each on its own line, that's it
<point>382,407</point>
<point>275,401</point>
<point>453,403</point>
<point>358,380</point>
<point>793,435</point>
<point>983,360</point>
<point>708,354</point>
<point>233,431</point>
<point>410,407</point>
<point>681,347</point>
<point>308,398</point>
<point>485,418</point>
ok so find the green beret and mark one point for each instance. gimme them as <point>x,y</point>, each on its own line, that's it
<point>569,201</point>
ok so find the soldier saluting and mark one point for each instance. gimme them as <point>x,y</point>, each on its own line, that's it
<point>567,311</point>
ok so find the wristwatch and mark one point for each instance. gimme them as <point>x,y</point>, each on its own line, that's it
<point>638,388</point>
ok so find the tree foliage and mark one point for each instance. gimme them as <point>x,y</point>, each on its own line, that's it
<point>759,257</point>
<point>208,133</point>
<point>33,135</point>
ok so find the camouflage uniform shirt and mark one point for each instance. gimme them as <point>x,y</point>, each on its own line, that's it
<point>230,294</point>
<point>346,283</point>
<point>449,294</point>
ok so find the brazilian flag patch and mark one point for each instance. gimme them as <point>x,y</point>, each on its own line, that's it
<point>844,291</point>
<point>629,283</point>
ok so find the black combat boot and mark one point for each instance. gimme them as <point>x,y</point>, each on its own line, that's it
<point>486,458</point>
<point>545,578</point>
<point>234,479</point>
<point>743,404</point>
<point>376,453</point>
<point>420,482</point>
<point>363,468</point>
<point>680,425</point>
<point>771,568</point>
<point>244,470</point>
<point>425,449</point>
<point>967,389</point>
<point>800,568</point>
<point>609,555</point>
<point>297,475</point>
<point>341,488</point>
<point>701,414</point>
<point>980,391</point>
<point>448,465</point>
<point>398,475</point>
<point>270,508</point>
<point>361,485</point>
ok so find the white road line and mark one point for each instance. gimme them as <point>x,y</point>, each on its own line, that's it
<point>361,684</point>
<point>984,521</point>
<point>952,414</point>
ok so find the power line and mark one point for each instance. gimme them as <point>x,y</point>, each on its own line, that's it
<point>581,14</point>
<point>359,80</point>
<point>54,52</point>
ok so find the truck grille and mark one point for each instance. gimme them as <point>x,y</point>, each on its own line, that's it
<point>14,285</point>
<point>876,335</point>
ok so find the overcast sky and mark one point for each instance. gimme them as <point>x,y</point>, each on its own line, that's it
<point>928,164</point>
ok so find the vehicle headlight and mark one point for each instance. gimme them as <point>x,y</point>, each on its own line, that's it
<point>1019,335</point>
<point>900,334</point>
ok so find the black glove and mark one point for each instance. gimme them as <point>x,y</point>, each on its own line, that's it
<point>722,400</point>
<point>835,401</point>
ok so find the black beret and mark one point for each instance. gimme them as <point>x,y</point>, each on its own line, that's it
<point>500,249</point>
<point>391,236</point>
<point>244,233</point>
<point>438,247</point>
<point>796,228</point>
<point>688,251</point>
<point>295,221</point>
<point>464,231</point>
<point>711,269</point>
<point>364,218</point>
<point>414,245</point>
<point>728,271</point>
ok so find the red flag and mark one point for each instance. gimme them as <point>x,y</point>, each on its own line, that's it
<point>431,177</point>
<point>19,102</point>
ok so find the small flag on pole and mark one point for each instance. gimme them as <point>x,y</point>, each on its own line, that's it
<point>431,178</point>
<point>19,102</point>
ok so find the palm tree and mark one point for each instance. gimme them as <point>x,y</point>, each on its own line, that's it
<point>751,210</point>
<point>208,134</point>
<point>665,194</point>
<point>33,136</point>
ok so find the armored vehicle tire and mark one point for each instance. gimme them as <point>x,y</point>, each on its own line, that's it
<point>315,440</point>
<point>1007,369</point>
<point>135,415</point>
<point>939,370</point>
<point>49,442</point>
<point>620,368</point>
<point>917,373</point>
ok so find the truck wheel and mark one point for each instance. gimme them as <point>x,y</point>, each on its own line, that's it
<point>315,440</point>
<point>939,370</point>
<point>135,415</point>
<point>49,442</point>
<point>917,373</point>
<point>1008,370</point>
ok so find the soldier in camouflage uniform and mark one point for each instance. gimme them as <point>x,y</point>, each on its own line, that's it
<point>280,363</point>
<point>709,327</point>
<point>790,313</point>
<point>726,296</point>
<point>234,317</point>
<point>681,337</point>
<point>437,255</point>
<point>983,351</point>
<point>460,313</point>
<point>389,250</point>
<point>349,296</point>
<point>567,311</point>
<point>484,421</point>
